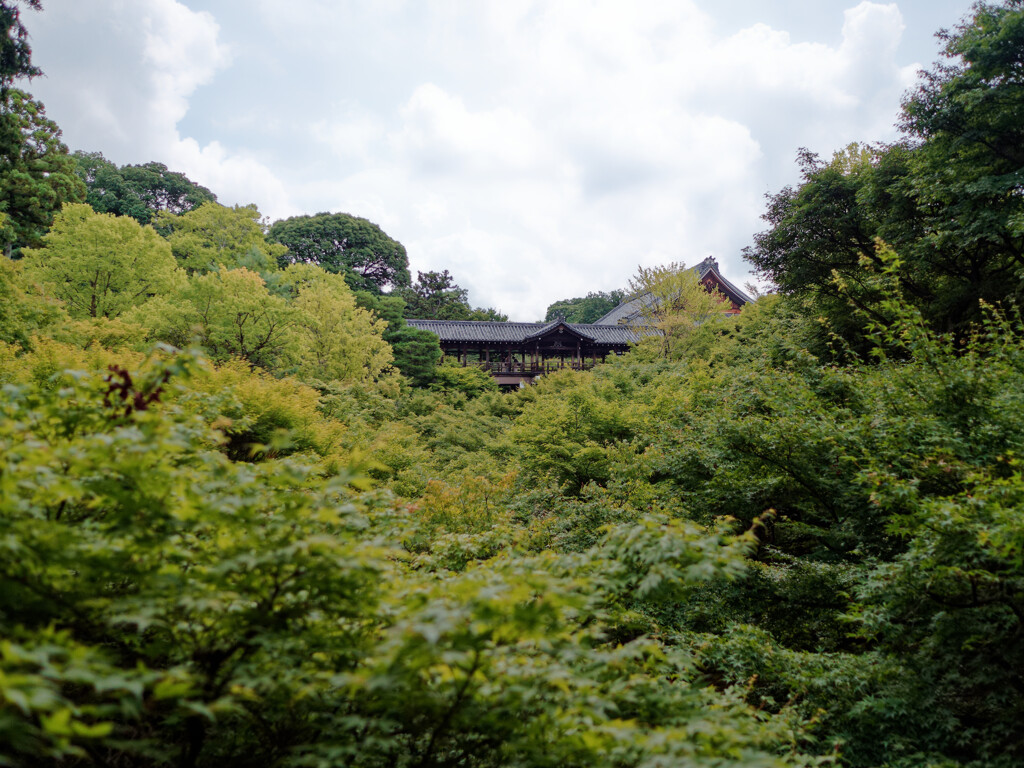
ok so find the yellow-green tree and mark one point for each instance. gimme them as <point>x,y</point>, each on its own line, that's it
<point>214,235</point>
<point>230,313</point>
<point>675,302</point>
<point>23,309</point>
<point>101,265</point>
<point>333,338</point>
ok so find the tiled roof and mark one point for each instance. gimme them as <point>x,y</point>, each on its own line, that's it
<point>481,331</point>
<point>627,311</point>
<point>739,294</point>
<point>630,310</point>
<point>612,334</point>
<point>615,328</point>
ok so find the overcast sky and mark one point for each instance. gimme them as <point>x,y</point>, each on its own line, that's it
<point>537,149</point>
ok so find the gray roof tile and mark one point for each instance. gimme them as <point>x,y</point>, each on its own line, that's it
<point>471,331</point>
<point>629,311</point>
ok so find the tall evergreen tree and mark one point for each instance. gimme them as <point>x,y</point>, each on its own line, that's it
<point>37,175</point>
<point>15,52</point>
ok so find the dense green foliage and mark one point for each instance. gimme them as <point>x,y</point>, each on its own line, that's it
<point>947,198</point>
<point>214,236</point>
<point>586,309</point>
<point>100,265</point>
<point>416,353</point>
<point>345,244</point>
<point>164,603</point>
<point>788,538</point>
<point>545,577</point>
<point>37,175</point>
<point>138,191</point>
<point>15,52</point>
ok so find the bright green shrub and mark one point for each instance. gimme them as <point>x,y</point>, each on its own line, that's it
<point>150,585</point>
<point>162,604</point>
<point>465,381</point>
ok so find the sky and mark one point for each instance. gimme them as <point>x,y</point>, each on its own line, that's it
<point>537,149</point>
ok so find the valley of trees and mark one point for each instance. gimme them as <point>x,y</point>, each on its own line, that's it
<point>248,519</point>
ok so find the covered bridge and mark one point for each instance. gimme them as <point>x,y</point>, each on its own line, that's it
<point>516,352</point>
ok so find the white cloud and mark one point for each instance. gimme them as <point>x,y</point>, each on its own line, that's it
<point>183,53</point>
<point>353,134</point>
<point>126,94</point>
<point>441,136</point>
<point>607,136</point>
<point>538,150</point>
<point>759,66</point>
<point>234,177</point>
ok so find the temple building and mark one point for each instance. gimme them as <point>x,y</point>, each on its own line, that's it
<point>631,312</point>
<point>517,352</point>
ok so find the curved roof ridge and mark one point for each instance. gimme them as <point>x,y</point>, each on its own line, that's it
<point>489,331</point>
<point>629,309</point>
<point>731,286</point>
<point>548,327</point>
<point>474,322</point>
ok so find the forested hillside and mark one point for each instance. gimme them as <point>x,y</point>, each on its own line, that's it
<point>246,519</point>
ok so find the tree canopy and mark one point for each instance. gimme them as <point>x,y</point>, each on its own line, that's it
<point>213,236</point>
<point>735,556</point>
<point>101,265</point>
<point>37,175</point>
<point>585,309</point>
<point>334,338</point>
<point>229,313</point>
<point>139,191</point>
<point>673,300</point>
<point>416,352</point>
<point>347,245</point>
<point>946,198</point>
<point>264,609</point>
<point>15,51</point>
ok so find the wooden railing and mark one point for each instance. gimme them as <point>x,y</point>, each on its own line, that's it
<point>536,369</point>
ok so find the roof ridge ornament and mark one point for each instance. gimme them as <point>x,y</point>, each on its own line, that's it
<point>709,262</point>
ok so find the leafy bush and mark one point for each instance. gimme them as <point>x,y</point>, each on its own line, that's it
<point>465,381</point>
<point>163,604</point>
